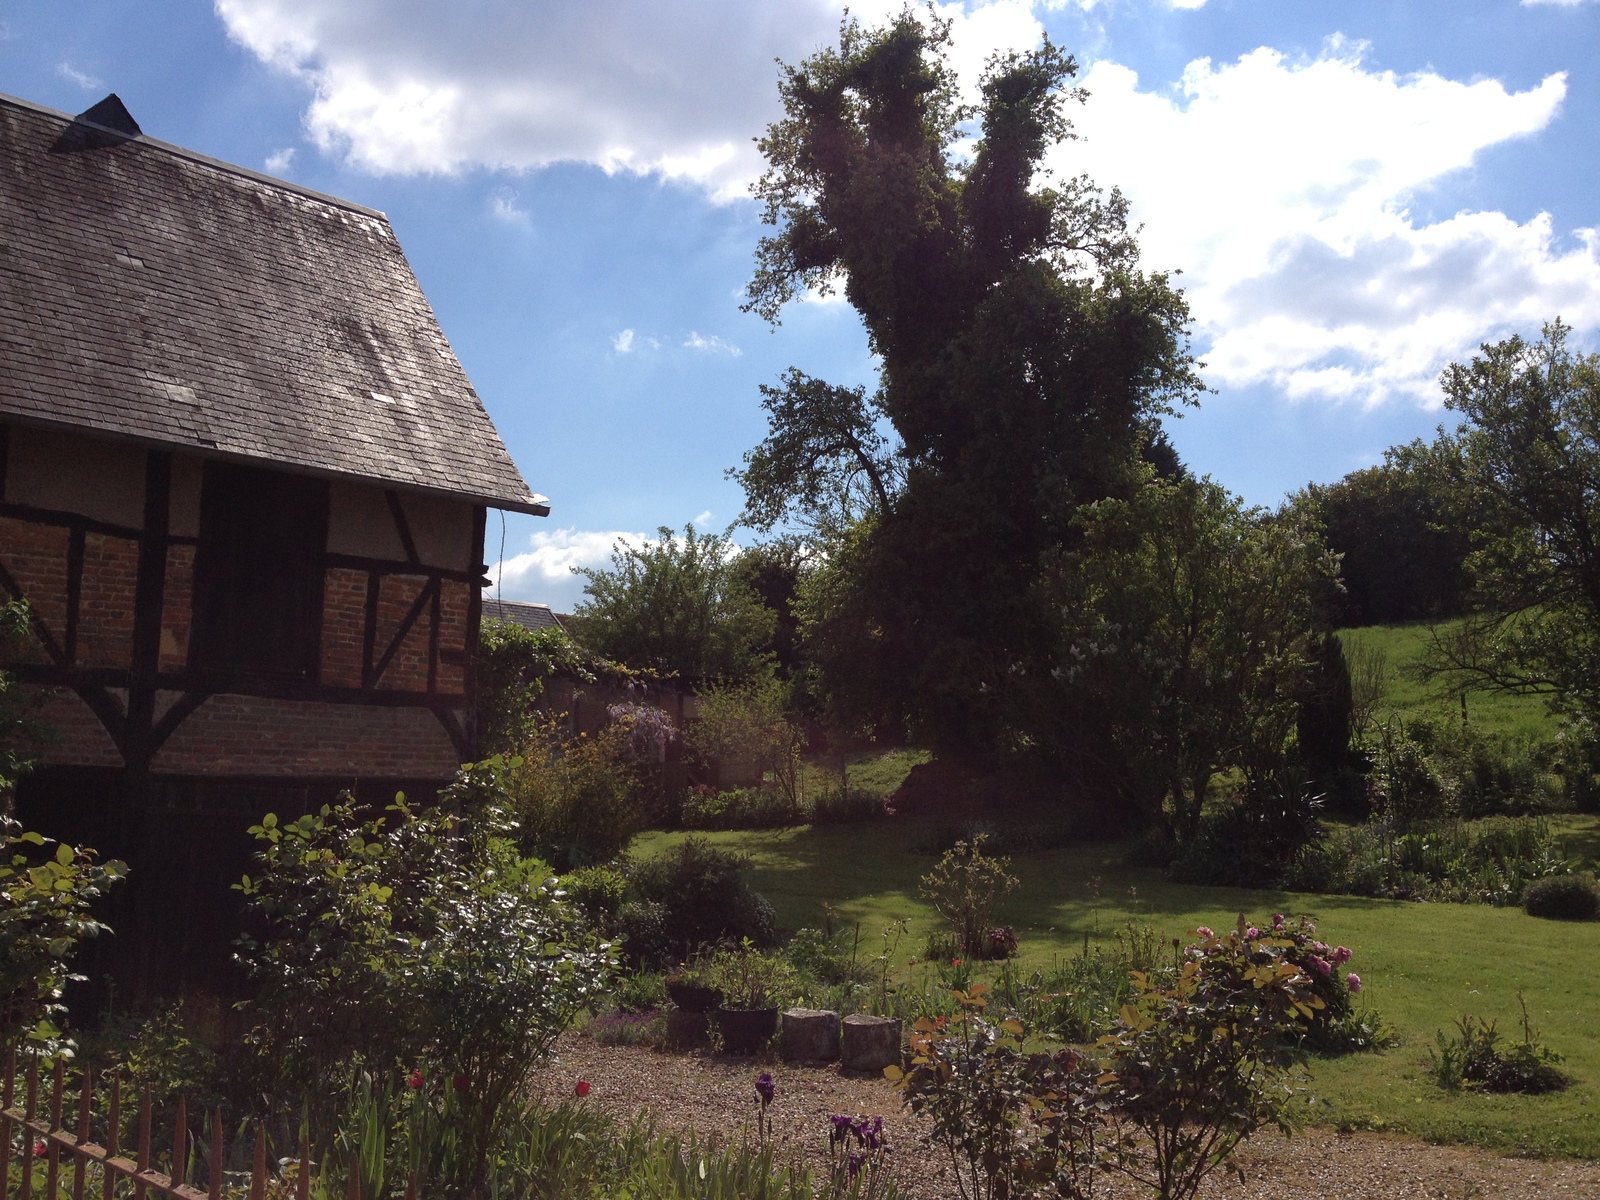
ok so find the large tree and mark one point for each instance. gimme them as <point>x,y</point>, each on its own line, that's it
<point>1025,362</point>
<point>1528,458</point>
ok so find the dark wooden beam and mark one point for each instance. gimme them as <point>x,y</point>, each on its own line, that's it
<point>401,525</point>
<point>410,619</point>
<point>149,598</point>
<point>469,671</point>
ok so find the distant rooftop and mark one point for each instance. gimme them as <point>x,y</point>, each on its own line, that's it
<point>155,295</point>
<point>529,616</point>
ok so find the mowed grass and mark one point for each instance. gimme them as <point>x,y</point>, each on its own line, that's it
<point>1407,696</point>
<point>1423,965</point>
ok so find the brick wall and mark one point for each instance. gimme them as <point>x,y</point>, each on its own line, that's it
<point>177,608</point>
<point>344,608</point>
<point>245,735</point>
<point>408,669</point>
<point>453,600</point>
<point>105,610</point>
<point>36,557</point>
<point>70,735</point>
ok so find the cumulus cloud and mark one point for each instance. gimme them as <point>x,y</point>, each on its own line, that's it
<point>1284,191</point>
<point>278,161</point>
<point>680,90</point>
<point>81,78</point>
<point>547,564</point>
<point>623,342</point>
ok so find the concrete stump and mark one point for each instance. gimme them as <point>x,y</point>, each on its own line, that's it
<point>688,1028</point>
<point>809,1035</point>
<point>871,1043</point>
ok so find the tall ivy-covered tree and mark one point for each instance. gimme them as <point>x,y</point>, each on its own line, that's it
<point>1025,360</point>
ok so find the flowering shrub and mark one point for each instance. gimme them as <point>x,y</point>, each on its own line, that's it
<point>578,801</point>
<point>856,1148</point>
<point>964,888</point>
<point>1000,942</point>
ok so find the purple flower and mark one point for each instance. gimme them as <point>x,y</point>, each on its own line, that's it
<point>1277,921</point>
<point>1342,955</point>
<point>1252,933</point>
<point>1354,981</point>
<point>1205,932</point>
<point>1319,964</point>
<point>766,1088</point>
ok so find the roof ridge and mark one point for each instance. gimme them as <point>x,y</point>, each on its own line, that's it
<point>196,156</point>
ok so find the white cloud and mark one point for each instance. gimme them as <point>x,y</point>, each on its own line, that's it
<point>413,86</point>
<point>710,345</point>
<point>503,206</point>
<point>1284,192</point>
<point>278,161</point>
<point>547,563</point>
<point>81,78</point>
<point>703,518</point>
<point>623,342</point>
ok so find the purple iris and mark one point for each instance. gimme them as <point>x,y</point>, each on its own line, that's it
<point>766,1088</point>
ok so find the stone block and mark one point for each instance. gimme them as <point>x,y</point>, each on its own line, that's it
<point>871,1043</point>
<point>809,1035</point>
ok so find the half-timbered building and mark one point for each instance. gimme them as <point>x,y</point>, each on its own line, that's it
<point>243,490</point>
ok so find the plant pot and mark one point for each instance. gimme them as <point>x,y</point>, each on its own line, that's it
<point>693,997</point>
<point>746,1030</point>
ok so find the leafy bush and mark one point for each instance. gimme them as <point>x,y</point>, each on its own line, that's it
<point>1562,897</point>
<point>964,888</point>
<point>704,898</point>
<point>1251,842</point>
<point>596,892</point>
<point>1482,862</point>
<point>416,940</point>
<point>45,901</point>
<point>735,808</point>
<point>844,804</point>
<point>513,664</point>
<point>749,723</point>
<point>1476,1058</point>
<point>749,979</point>
<point>578,801</point>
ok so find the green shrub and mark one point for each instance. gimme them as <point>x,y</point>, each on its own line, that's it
<point>964,888</point>
<point>1250,842</point>
<point>704,898</point>
<point>1562,897</point>
<point>418,940</point>
<point>1476,1058</point>
<point>45,901</point>
<point>735,808</point>
<point>842,805</point>
<point>578,801</point>
<point>1480,862</point>
<point>596,892</point>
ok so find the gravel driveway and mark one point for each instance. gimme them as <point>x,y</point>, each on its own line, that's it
<point>716,1093</point>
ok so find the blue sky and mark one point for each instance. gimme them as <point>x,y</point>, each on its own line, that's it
<point>1356,193</point>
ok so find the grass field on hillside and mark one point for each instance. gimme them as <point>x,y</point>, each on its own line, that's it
<point>1424,965</point>
<point>1403,646</point>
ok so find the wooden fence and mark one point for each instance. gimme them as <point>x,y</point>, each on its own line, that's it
<point>69,1160</point>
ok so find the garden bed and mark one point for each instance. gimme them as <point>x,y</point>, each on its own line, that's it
<point>715,1094</point>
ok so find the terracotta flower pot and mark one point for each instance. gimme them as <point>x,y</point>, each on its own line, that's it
<point>746,1030</point>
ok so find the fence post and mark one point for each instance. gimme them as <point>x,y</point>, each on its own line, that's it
<point>258,1171</point>
<point>353,1192</point>
<point>52,1171</point>
<point>80,1164</point>
<point>108,1182</point>
<point>144,1144</point>
<point>180,1144</point>
<point>216,1154</point>
<point>302,1184</point>
<point>27,1133</point>
<point>5,1116</point>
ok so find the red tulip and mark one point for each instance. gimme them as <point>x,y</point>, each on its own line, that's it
<point>582,1089</point>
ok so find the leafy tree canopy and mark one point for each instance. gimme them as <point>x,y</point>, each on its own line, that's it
<point>1025,364</point>
<point>679,606</point>
<point>1528,455</point>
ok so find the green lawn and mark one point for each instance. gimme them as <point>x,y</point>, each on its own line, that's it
<point>1402,646</point>
<point>1423,965</point>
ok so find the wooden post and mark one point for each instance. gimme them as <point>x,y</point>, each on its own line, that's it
<point>144,1144</point>
<point>5,1117</point>
<point>302,1184</point>
<point>52,1170</point>
<point>216,1155</point>
<point>27,1133</point>
<point>180,1144</point>
<point>258,1170</point>
<point>353,1192</point>
<point>80,1161</point>
<point>108,1183</point>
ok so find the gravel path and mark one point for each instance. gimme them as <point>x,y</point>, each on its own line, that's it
<point>716,1093</point>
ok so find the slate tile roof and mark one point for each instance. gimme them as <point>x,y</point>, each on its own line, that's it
<point>529,616</point>
<point>152,294</point>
